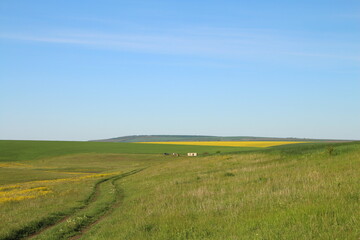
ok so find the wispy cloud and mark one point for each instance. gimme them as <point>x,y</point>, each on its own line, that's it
<point>215,42</point>
<point>184,42</point>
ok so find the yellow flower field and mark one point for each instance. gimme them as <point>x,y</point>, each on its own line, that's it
<point>230,143</point>
<point>19,194</point>
<point>34,189</point>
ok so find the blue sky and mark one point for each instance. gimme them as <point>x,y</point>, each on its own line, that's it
<point>79,70</point>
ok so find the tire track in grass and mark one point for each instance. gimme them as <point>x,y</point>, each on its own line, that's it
<point>116,203</point>
<point>103,200</point>
<point>36,227</point>
<point>92,197</point>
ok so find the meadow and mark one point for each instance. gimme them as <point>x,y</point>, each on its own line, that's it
<point>91,190</point>
<point>29,150</point>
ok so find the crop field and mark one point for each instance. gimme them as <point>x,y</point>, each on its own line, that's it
<point>92,190</point>
<point>230,143</point>
<point>28,150</point>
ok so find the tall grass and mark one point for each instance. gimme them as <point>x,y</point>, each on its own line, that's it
<point>302,191</point>
<point>278,194</point>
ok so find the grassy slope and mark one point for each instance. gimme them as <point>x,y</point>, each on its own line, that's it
<point>28,150</point>
<point>283,192</point>
<point>288,192</point>
<point>23,217</point>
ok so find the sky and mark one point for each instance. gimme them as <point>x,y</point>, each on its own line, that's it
<point>81,70</point>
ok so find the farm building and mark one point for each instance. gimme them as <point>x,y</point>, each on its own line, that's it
<point>192,154</point>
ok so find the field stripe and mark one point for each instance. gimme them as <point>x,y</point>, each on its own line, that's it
<point>259,144</point>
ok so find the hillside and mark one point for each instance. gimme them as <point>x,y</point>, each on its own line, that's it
<point>184,138</point>
<point>87,190</point>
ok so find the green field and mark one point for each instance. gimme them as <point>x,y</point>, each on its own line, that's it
<point>99,190</point>
<point>29,150</point>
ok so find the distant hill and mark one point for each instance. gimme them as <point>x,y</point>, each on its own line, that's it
<point>189,138</point>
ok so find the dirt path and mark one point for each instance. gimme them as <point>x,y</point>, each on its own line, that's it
<point>116,203</point>
<point>93,196</point>
<point>91,200</point>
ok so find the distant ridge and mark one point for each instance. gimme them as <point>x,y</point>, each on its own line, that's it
<point>189,138</point>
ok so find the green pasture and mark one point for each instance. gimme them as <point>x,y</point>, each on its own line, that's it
<point>29,150</point>
<point>300,191</point>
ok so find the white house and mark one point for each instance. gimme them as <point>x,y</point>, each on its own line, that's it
<point>192,154</point>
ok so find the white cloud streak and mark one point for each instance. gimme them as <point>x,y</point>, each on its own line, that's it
<point>200,42</point>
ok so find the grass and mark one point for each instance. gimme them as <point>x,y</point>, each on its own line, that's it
<point>300,191</point>
<point>30,150</point>
<point>272,195</point>
<point>25,175</point>
<point>22,218</point>
<point>105,196</point>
